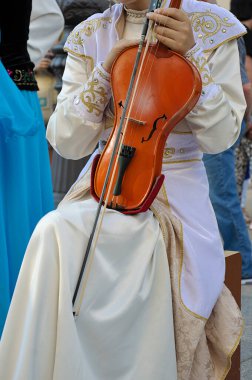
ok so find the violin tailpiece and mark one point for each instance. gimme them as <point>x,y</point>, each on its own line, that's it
<point>145,205</point>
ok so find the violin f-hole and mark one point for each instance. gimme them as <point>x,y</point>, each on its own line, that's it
<point>154,128</point>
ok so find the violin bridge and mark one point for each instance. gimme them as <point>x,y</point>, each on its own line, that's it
<point>135,120</point>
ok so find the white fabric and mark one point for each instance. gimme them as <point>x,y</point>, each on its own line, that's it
<point>211,126</point>
<point>46,25</point>
<point>125,328</point>
<point>215,121</point>
<point>188,197</point>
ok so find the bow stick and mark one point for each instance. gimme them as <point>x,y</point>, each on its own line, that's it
<point>81,283</point>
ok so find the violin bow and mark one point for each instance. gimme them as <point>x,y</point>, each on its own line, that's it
<point>81,283</point>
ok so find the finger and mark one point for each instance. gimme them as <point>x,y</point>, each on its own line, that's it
<point>165,21</point>
<point>163,31</point>
<point>176,14</point>
<point>170,43</point>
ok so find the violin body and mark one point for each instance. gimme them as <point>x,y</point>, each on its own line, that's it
<point>167,90</point>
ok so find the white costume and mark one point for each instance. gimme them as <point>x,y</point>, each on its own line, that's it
<point>46,26</point>
<point>131,298</point>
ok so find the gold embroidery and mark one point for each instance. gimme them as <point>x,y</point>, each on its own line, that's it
<point>207,24</point>
<point>202,65</point>
<point>75,39</point>
<point>93,25</point>
<point>104,76</point>
<point>88,59</point>
<point>169,152</point>
<point>192,51</point>
<point>163,189</point>
<point>94,96</point>
<point>230,354</point>
<point>181,161</point>
<point>88,28</point>
<point>159,219</point>
<point>224,42</point>
<point>181,244</point>
<point>163,198</point>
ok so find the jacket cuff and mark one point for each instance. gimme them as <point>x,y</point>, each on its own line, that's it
<point>92,101</point>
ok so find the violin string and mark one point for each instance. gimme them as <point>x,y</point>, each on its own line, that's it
<point>148,52</point>
<point>145,53</point>
<point>144,67</point>
<point>152,51</point>
<point>127,121</point>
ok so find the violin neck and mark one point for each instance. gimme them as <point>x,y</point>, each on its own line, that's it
<point>175,4</point>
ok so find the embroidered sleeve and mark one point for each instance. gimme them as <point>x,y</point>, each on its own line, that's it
<point>216,121</point>
<point>92,101</point>
<point>197,57</point>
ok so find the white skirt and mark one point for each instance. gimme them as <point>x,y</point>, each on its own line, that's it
<point>125,326</point>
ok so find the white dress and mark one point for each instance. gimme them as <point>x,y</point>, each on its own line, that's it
<point>130,299</point>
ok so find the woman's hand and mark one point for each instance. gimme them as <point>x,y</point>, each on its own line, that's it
<point>173,29</point>
<point>116,50</point>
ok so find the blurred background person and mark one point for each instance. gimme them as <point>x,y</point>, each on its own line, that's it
<point>66,171</point>
<point>46,82</point>
<point>243,167</point>
<point>47,93</point>
<point>26,187</point>
<point>46,25</point>
<point>243,11</point>
<point>223,192</point>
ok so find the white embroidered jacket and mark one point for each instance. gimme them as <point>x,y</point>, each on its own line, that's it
<point>83,114</point>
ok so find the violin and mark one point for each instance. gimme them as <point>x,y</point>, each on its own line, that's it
<point>167,88</point>
<point>153,89</point>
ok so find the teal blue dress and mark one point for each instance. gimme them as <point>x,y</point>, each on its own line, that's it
<point>25,180</point>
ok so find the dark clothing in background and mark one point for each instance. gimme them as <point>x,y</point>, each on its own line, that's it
<point>13,44</point>
<point>242,9</point>
<point>248,41</point>
<point>242,54</point>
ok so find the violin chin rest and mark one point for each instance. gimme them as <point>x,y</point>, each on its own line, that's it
<point>147,202</point>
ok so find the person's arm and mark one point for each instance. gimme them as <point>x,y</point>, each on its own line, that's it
<point>216,119</point>
<point>248,96</point>
<point>46,25</point>
<point>80,117</point>
<point>78,120</point>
